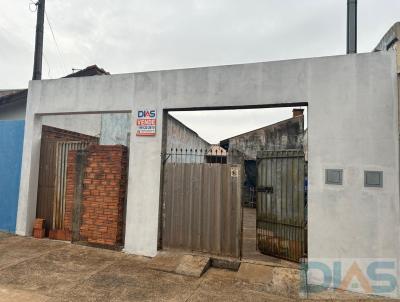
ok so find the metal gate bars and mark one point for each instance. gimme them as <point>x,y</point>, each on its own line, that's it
<point>281,221</point>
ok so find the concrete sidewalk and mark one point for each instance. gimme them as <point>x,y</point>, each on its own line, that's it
<point>44,270</point>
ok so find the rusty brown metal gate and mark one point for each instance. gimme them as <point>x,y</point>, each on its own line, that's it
<point>281,221</point>
<point>202,208</point>
<point>52,180</point>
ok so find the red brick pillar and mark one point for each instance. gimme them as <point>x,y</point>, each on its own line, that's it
<point>104,195</point>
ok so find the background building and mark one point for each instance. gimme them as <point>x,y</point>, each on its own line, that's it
<point>284,135</point>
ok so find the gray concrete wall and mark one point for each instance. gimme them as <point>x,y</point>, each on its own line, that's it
<point>180,137</point>
<point>287,134</point>
<point>115,129</point>
<point>352,125</point>
<point>86,124</point>
<point>89,124</point>
<point>391,40</point>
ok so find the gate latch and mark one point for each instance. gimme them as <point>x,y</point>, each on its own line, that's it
<point>268,190</point>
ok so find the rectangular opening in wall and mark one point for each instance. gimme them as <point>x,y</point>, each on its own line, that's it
<point>83,173</point>
<point>373,179</point>
<point>334,176</point>
<point>232,179</point>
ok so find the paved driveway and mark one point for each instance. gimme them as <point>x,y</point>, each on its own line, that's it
<point>44,270</point>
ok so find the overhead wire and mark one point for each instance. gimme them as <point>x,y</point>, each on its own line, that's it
<point>48,66</point>
<point>56,43</point>
<point>33,10</point>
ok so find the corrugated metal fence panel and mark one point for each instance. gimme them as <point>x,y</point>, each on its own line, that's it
<point>202,208</point>
<point>44,208</point>
<point>280,204</point>
<point>61,179</point>
<point>52,180</point>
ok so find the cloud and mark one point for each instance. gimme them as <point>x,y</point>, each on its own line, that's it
<point>217,125</point>
<point>136,35</point>
<point>127,36</point>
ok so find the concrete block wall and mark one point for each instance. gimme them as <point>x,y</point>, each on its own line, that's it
<point>103,194</point>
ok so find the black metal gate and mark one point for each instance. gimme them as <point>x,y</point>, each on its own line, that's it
<point>281,218</point>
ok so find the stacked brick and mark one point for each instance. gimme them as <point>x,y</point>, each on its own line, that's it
<point>38,228</point>
<point>59,234</point>
<point>103,194</point>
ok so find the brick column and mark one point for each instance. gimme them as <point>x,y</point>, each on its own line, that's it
<point>104,195</point>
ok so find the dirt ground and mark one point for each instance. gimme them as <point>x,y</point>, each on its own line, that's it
<point>44,270</point>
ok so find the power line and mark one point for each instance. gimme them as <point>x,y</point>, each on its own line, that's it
<point>55,42</point>
<point>48,66</point>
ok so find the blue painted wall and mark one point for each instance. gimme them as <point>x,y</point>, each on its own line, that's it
<point>11,144</point>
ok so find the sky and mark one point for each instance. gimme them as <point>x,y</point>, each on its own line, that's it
<point>217,125</point>
<point>137,35</point>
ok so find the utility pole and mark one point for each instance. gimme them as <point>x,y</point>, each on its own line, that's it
<point>351,26</point>
<point>37,64</point>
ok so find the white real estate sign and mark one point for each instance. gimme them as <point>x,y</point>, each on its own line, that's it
<point>146,123</point>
